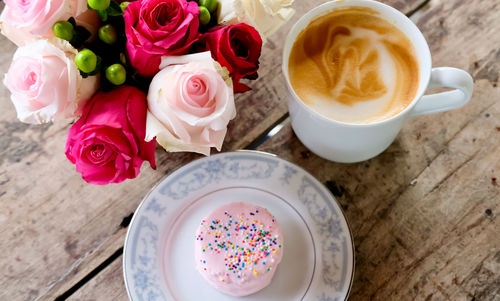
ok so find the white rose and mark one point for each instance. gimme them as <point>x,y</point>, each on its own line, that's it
<point>267,16</point>
<point>190,103</point>
<point>45,84</point>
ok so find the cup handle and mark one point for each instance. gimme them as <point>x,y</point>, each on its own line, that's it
<point>449,100</point>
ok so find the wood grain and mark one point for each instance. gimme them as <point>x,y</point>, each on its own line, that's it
<point>423,229</point>
<point>105,286</point>
<point>55,228</point>
<point>424,213</point>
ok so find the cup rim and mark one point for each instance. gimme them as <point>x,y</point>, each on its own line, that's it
<point>330,5</point>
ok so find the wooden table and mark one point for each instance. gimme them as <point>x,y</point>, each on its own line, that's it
<point>423,213</point>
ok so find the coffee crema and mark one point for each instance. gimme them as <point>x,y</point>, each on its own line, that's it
<point>352,66</point>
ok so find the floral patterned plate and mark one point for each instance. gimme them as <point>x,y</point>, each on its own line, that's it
<point>318,254</point>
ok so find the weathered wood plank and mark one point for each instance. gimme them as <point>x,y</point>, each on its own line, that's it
<point>106,286</point>
<point>54,227</point>
<point>422,229</point>
<point>436,243</point>
<point>424,213</point>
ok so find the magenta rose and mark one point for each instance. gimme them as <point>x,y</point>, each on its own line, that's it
<point>107,142</point>
<point>236,47</point>
<point>155,28</point>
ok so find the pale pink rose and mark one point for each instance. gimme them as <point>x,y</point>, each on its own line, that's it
<point>25,20</point>
<point>190,103</point>
<point>45,84</point>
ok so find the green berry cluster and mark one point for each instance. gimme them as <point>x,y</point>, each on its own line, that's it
<point>208,8</point>
<point>103,55</point>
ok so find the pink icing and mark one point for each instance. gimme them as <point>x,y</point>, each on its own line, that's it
<point>238,247</point>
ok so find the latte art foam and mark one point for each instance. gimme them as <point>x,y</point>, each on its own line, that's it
<point>351,65</point>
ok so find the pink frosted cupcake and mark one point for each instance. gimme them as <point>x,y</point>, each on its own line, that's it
<point>238,247</point>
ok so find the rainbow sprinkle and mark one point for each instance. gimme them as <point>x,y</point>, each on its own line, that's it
<point>258,242</point>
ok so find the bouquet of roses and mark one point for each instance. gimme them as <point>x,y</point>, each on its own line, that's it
<point>135,73</point>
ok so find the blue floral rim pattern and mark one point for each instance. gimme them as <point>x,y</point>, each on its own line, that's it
<point>336,254</point>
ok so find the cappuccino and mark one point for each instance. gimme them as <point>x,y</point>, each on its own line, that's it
<point>353,66</point>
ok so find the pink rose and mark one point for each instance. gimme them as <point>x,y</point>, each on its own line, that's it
<point>45,84</point>
<point>25,20</point>
<point>190,103</point>
<point>107,142</point>
<point>155,28</point>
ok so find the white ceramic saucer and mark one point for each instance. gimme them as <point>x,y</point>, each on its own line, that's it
<point>318,255</point>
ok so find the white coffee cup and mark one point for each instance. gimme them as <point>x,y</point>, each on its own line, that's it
<point>346,142</point>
